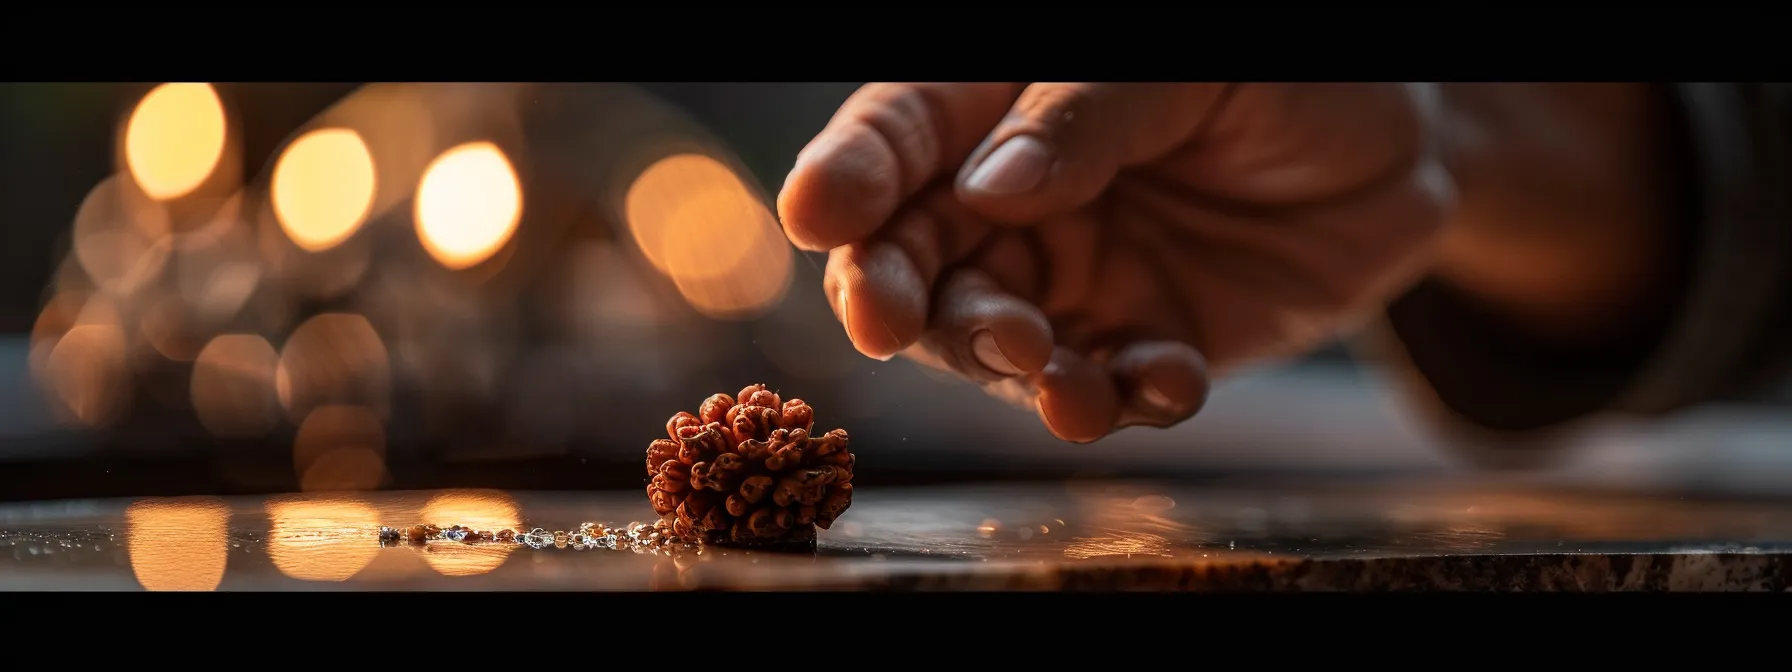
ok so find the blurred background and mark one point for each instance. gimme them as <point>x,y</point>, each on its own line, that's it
<point>259,288</point>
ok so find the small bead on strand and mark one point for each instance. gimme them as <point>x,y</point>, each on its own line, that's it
<point>634,536</point>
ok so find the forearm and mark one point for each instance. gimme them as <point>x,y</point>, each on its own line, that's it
<point>1616,248</point>
<point>1571,206</point>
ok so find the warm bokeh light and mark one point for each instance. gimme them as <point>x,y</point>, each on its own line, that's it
<point>233,386</point>
<point>340,448</point>
<point>322,539</point>
<point>468,205</point>
<point>400,124</point>
<point>204,221</point>
<point>697,222</point>
<point>57,317</point>
<point>214,281</point>
<point>323,188</point>
<point>178,544</point>
<point>747,290</point>
<point>175,139</point>
<point>88,371</point>
<point>657,199</point>
<point>479,509</point>
<point>333,358</point>
<point>121,238</point>
<point>307,275</point>
<point>164,325</point>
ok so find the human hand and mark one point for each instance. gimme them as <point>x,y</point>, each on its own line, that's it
<point>1094,250</point>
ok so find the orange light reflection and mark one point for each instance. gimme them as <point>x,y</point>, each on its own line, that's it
<point>479,509</point>
<point>323,539</point>
<point>178,544</point>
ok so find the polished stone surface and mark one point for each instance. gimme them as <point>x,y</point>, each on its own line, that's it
<point>1095,535</point>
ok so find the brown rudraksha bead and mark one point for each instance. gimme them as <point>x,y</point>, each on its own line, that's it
<point>749,470</point>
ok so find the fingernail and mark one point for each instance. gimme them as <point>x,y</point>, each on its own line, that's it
<point>1156,399</point>
<point>983,345</point>
<point>1017,166</point>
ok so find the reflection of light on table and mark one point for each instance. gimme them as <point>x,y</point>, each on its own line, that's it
<point>1126,526</point>
<point>394,565</point>
<point>481,510</point>
<point>178,544</point>
<point>175,138</point>
<point>323,539</point>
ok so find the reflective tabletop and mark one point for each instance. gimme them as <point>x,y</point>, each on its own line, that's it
<point>1059,536</point>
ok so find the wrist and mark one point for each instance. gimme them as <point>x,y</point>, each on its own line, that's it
<point>1567,205</point>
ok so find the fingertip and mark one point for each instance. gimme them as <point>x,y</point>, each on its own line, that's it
<point>796,212</point>
<point>1024,337</point>
<point>1162,383</point>
<point>842,188</point>
<point>880,298</point>
<point>1076,400</point>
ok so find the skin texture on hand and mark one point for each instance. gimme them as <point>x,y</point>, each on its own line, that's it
<point>1095,251</point>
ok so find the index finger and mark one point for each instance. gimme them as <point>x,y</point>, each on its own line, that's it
<point>886,143</point>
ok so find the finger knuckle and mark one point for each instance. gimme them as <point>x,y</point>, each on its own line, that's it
<point>1054,103</point>
<point>907,117</point>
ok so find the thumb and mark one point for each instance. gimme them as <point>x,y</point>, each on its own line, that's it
<point>1061,144</point>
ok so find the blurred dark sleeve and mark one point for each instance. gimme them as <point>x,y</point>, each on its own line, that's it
<point>1722,331</point>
